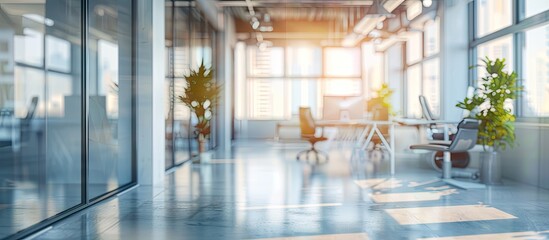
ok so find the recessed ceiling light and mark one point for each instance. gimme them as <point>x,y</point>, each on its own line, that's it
<point>427,3</point>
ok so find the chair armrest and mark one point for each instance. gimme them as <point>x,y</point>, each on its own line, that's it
<point>440,142</point>
<point>431,147</point>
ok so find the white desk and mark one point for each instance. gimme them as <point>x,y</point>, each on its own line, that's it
<point>368,133</point>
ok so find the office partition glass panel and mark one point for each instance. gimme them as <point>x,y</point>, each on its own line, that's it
<point>431,84</point>
<point>432,37</point>
<point>533,7</point>
<point>413,87</point>
<point>493,15</point>
<point>182,129</point>
<point>414,47</point>
<point>536,73</point>
<point>110,81</point>
<point>169,29</point>
<point>342,62</point>
<point>40,111</point>
<point>178,127</point>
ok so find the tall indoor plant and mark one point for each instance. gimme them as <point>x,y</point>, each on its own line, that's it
<point>201,94</point>
<point>491,104</point>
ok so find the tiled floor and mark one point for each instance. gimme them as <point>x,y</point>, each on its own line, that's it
<point>262,192</point>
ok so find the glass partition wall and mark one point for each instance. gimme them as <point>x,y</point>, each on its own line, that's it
<point>53,72</point>
<point>190,39</point>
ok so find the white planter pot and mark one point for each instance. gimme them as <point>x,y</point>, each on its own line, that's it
<point>490,173</point>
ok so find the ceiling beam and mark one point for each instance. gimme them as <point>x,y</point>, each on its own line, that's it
<point>296,3</point>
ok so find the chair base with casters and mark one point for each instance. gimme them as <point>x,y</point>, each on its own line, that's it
<point>460,161</point>
<point>313,141</point>
<point>464,140</point>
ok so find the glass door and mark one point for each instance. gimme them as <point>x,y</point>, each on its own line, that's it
<point>110,95</point>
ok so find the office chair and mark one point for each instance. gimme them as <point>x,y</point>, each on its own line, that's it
<point>434,132</point>
<point>465,139</point>
<point>308,130</point>
<point>459,160</point>
<point>26,121</point>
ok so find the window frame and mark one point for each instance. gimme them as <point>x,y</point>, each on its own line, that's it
<point>519,25</point>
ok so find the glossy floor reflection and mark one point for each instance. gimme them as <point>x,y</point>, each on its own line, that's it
<point>263,192</point>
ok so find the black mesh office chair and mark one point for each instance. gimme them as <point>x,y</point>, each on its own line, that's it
<point>465,139</point>
<point>308,130</point>
<point>436,133</point>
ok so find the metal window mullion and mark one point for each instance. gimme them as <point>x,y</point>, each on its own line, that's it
<point>84,104</point>
<point>518,42</point>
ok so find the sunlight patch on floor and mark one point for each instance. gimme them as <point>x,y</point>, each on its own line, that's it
<point>447,214</point>
<point>379,183</point>
<point>346,236</point>
<point>511,236</point>
<point>411,196</point>
<point>291,206</point>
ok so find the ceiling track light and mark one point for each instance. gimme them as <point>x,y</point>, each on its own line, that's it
<point>254,22</point>
<point>377,10</point>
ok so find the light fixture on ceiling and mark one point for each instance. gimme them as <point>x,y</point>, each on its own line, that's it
<point>368,23</point>
<point>254,22</point>
<point>267,26</point>
<point>377,10</point>
<point>413,10</point>
<point>427,3</point>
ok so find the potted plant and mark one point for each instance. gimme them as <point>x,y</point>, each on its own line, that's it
<point>201,93</point>
<point>492,105</point>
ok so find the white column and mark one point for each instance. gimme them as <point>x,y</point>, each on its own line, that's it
<point>225,76</point>
<point>455,53</point>
<point>150,97</point>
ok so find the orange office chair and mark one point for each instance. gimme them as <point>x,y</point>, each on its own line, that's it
<point>308,130</point>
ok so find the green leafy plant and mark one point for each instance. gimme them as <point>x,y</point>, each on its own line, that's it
<point>491,104</point>
<point>200,96</point>
<point>384,95</point>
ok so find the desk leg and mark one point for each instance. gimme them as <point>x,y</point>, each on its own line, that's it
<point>392,136</point>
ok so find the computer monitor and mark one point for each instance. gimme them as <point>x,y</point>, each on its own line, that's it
<point>342,108</point>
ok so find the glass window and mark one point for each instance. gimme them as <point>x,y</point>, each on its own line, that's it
<point>414,48</point>
<point>536,72</point>
<point>304,92</point>
<point>493,15</point>
<point>413,87</point>
<point>431,84</point>
<point>59,55</point>
<point>342,62</point>
<point>40,112</point>
<point>304,61</point>
<point>29,48</point>
<point>534,7</point>
<point>499,48</point>
<point>432,37</point>
<point>267,62</point>
<point>342,87</point>
<point>267,99</point>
